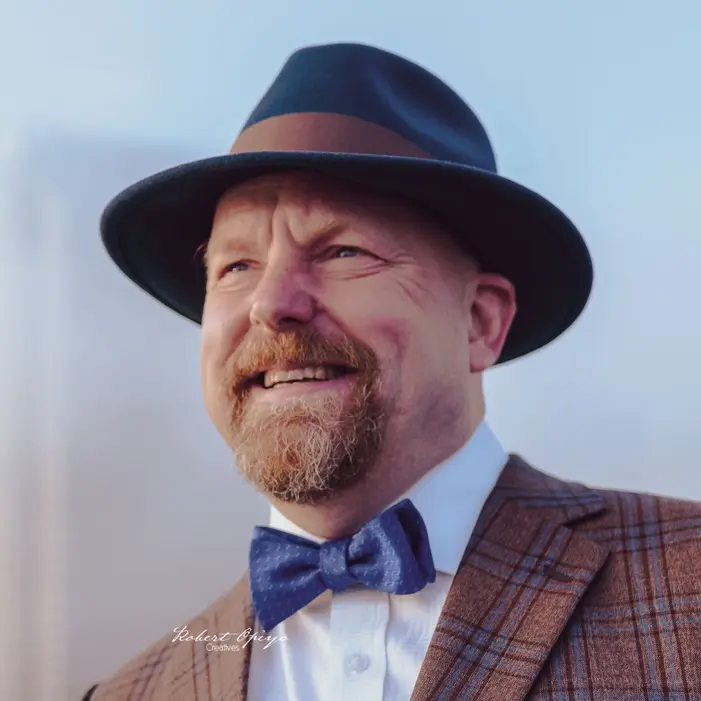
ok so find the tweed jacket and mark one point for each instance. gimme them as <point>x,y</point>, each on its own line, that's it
<point>564,593</point>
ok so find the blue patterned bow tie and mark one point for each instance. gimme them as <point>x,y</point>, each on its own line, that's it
<point>390,553</point>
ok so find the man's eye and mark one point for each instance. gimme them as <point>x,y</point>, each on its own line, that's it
<point>336,253</point>
<point>232,267</point>
<point>237,267</point>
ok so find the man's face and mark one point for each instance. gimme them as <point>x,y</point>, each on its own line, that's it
<point>335,331</point>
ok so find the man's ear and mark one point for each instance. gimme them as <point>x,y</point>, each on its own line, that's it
<point>492,310</point>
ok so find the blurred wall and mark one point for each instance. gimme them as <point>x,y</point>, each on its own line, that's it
<point>128,515</point>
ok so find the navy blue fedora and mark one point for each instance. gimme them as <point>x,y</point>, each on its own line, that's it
<point>375,119</point>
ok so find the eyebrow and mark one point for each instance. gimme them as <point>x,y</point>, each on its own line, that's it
<point>208,251</point>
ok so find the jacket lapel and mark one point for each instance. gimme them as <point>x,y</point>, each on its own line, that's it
<point>196,674</point>
<point>521,578</point>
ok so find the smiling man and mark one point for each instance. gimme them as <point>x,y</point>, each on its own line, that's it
<point>356,265</point>
<point>333,344</point>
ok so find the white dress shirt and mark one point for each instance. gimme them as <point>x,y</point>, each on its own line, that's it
<point>369,645</point>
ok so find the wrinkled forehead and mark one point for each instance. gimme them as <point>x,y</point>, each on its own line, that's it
<point>309,194</point>
<point>318,203</point>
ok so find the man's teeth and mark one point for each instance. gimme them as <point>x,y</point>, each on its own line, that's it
<point>274,377</point>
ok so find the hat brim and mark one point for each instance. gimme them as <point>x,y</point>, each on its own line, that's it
<point>153,229</point>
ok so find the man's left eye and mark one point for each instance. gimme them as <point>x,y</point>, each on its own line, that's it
<point>347,249</point>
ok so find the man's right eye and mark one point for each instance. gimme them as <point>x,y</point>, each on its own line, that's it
<point>231,267</point>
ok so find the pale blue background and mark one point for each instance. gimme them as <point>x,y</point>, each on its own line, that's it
<point>111,465</point>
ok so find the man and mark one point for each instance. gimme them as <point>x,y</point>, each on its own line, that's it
<point>362,265</point>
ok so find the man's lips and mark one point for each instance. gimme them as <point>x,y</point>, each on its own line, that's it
<point>283,391</point>
<point>294,373</point>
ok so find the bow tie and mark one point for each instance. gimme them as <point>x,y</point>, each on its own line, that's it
<point>389,553</point>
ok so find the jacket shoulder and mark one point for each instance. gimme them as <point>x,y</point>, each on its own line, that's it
<point>650,536</point>
<point>644,533</point>
<point>136,678</point>
<point>649,512</point>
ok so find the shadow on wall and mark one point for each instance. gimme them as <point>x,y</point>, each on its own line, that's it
<point>127,513</point>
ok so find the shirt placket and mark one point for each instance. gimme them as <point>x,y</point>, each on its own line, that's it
<point>359,619</point>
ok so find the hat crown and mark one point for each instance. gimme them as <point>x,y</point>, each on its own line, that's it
<point>379,87</point>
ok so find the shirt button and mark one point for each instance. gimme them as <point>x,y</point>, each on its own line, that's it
<point>357,663</point>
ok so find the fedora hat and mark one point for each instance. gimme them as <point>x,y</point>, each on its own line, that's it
<point>378,120</point>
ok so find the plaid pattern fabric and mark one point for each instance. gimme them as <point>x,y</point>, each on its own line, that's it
<point>565,593</point>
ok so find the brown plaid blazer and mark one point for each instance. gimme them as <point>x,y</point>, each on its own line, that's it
<point>564,593</point>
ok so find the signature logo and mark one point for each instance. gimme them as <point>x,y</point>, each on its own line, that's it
<point>226,642</point>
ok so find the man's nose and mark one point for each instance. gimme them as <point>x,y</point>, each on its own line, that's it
<point>282,298</point>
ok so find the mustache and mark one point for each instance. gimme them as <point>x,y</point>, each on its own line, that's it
<point>298,347</point>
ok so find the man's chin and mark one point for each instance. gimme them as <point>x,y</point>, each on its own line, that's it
<point>305,450</point>
<point>301,464</point>
<point>295,485</point>
<point>309,497</point>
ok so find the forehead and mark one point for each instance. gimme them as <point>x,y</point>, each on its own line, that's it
<point>314,204</point>
<point>305,196</point>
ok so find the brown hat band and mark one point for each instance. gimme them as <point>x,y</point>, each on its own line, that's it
<point>324,132</point>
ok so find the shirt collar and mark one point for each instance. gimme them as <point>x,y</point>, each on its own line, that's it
<point>449,497</point>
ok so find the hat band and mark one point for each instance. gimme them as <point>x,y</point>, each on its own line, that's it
<point>326,133</point>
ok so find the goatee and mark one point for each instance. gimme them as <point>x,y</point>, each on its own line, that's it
<point>312,447</point>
